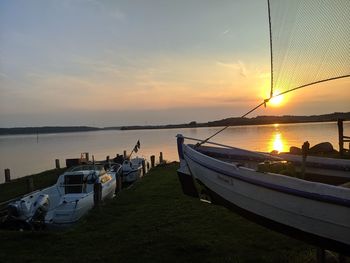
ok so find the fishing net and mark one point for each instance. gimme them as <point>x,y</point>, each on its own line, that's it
<point>310,42</point>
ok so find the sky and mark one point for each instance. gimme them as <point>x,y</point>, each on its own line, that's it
<point>136,62</point>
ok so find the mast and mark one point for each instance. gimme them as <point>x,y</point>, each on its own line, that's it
<point>271,58</point>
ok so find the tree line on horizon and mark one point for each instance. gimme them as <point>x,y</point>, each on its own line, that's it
<point>232,121</point>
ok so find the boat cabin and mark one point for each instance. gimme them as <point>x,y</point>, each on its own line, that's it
<point>80,179</point>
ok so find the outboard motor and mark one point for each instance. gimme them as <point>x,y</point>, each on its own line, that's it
<point>18,210</point>
<point>14,210</point>
<point>40,208</point>
<point>23,215</point>
<point>16,216</point>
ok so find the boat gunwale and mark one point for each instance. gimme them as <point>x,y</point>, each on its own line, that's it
<point>283,189</point>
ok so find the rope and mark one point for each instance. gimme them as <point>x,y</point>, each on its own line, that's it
<point>306,32</point>
<point>255,108</point>
<point>271,54</point>
<point>310,84</point>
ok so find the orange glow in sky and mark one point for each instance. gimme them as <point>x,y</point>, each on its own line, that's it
<point>116,63</point>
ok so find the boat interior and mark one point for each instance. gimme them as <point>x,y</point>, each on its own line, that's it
<point>270,163</point>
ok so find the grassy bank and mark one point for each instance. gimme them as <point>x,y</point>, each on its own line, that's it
<point>154,222</point>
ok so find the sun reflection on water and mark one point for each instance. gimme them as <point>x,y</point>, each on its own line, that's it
<point>277,142</point>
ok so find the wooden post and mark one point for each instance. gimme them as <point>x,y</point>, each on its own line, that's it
<point>153,159</point>
<point>97,193</point>
<point>119,183</point>
<point>160,157</point>
<point>147,166</point>
<point>7,175</point>
<point>124,154</point>
<point>30,184</point>
<point>341,136</point>
<point>304,149</point>
<point>57,163</point>
<point>143,167</point>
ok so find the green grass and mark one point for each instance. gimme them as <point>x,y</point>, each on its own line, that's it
<point>154,222</point>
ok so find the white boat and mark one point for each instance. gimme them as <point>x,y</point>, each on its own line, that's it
<point>132,169</point>
<point>74,194</point>
<point>316,211</point>
<point>305,51</point>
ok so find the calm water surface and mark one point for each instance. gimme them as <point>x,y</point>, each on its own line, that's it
<point>25,155</point>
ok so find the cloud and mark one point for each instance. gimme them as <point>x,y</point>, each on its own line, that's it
<point>238,66</point>
<point>226,32</point>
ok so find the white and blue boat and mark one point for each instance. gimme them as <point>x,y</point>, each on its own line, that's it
<point>132,169</point>
<point>313,211</point>
<point>74,194</point>
<point>309,45</point>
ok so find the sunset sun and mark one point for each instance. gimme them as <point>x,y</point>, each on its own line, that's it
<point>277,101</point>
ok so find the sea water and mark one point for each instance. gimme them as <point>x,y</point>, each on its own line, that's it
<point>29,154</point>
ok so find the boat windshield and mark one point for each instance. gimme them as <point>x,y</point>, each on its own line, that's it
<point>99,169</point>
<point>73,183</point>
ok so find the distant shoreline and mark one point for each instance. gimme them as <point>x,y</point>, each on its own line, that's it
<point>234,121</point>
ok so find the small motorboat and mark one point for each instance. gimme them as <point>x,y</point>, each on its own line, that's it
<point>74,194</point>
<point>132,169</point>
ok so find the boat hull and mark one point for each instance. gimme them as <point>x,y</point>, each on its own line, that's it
<point>132,175</point>
<point>74,206</point>
<point>70,210</point>
<point>132,170</point>
<point>310,208</point>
